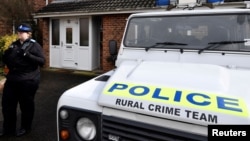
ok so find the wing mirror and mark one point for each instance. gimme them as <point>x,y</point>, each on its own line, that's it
<point>112,51</point>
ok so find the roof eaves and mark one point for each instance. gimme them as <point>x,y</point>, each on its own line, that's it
<point>87,13</point>
<point>98,5</point>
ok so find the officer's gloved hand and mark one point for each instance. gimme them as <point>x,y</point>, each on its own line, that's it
<point>27,54</point>
<point>23,52</point>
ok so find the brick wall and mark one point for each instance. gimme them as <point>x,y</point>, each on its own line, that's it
<point>5,28</point>
<point>113,28</point>
<point>38,4</point>
<point>43,27</point>
<point>44,30</point>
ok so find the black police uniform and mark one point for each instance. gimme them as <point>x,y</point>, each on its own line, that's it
<point>24,62</point>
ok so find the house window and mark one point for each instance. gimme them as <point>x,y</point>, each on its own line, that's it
<point>69,35</point>
<point>84,32</point>
<point>55,32</point>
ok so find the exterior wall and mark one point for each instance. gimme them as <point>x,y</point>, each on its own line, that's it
<point>43,27</point>
<point>44,30</point>
<point>38,4</point>
<point>113,28</point>
<point>5,28</point>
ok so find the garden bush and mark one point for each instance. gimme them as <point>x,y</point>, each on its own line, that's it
<point>5,42</point>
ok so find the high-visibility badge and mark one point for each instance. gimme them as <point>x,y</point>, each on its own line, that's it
<point>174,96</point>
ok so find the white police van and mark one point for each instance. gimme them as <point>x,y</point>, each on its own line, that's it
<point>176,72</point>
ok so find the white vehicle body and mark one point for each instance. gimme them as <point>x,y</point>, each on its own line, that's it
<point>172,87</point>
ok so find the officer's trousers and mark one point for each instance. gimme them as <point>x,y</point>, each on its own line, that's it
<point>22,93</point>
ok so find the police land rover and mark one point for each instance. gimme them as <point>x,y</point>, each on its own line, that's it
<point>177,72</point>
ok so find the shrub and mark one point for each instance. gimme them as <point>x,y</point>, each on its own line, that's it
<point>5,42</point>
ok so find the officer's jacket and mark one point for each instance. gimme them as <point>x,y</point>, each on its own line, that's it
<point>24,60</point>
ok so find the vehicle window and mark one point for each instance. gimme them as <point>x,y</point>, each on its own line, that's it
<point>196,32</point>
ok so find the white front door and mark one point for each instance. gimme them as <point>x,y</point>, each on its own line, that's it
<point>69,42</point>
<point>75,43</point>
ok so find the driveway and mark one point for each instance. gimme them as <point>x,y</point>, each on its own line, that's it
<point>53,84</point>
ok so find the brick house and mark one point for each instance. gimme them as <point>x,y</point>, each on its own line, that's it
<point>76,33</point>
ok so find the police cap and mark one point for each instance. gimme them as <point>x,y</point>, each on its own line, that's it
<point>24,27</point>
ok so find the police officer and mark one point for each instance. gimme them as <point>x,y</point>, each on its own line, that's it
<point>23,58</point>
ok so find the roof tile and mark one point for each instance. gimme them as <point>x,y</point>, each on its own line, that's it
<point>98,5</point>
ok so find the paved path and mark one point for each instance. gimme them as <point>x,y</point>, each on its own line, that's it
<point>53,84</point>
